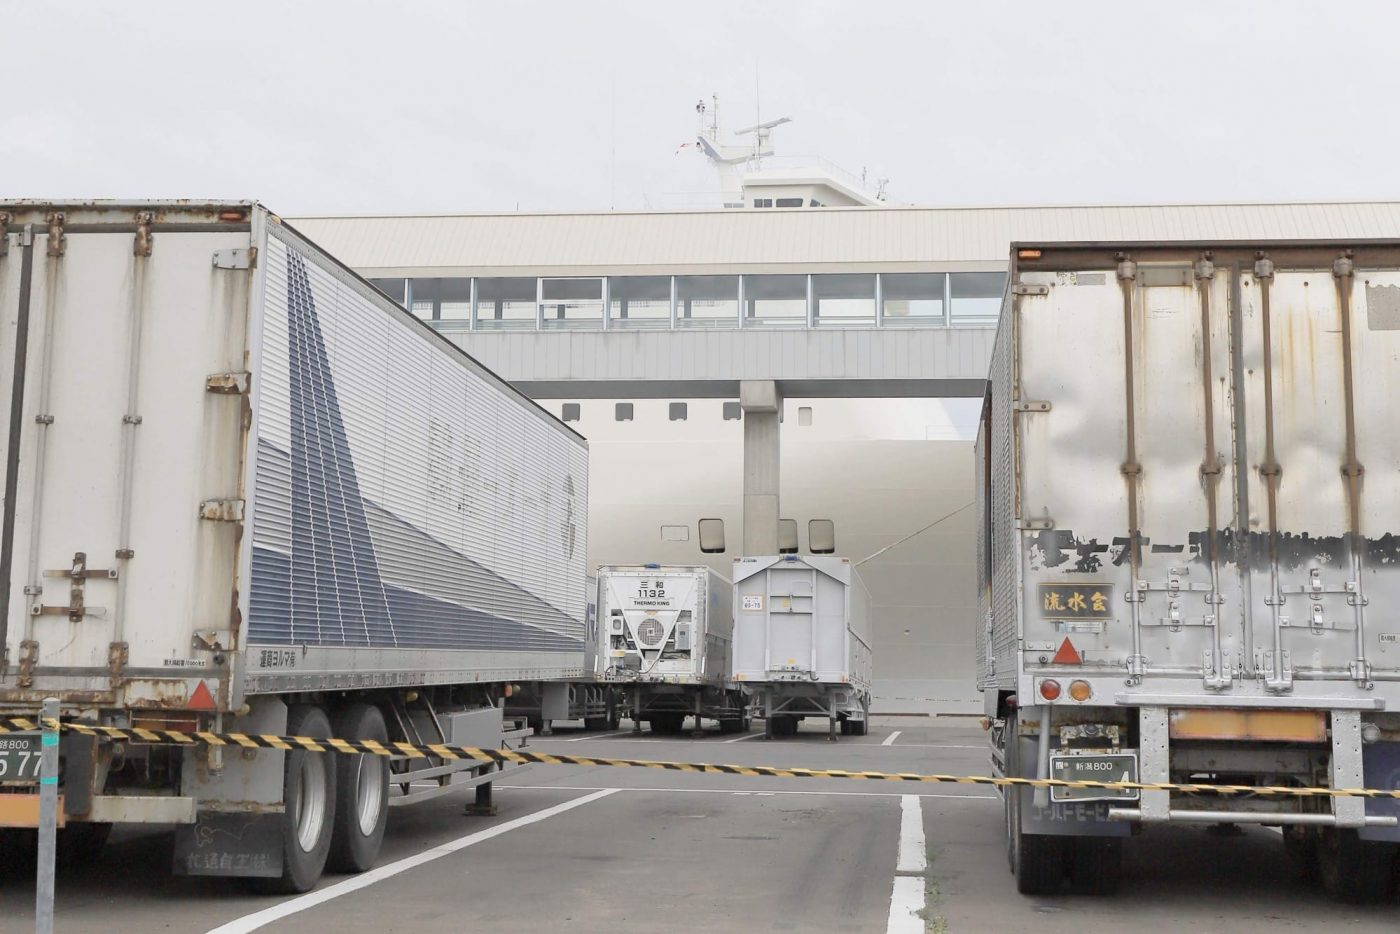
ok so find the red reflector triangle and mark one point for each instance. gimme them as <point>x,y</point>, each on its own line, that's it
<point>1067,655</point>
<point>201,699</point>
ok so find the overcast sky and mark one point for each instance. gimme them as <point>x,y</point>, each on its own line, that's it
<point>464,106</point>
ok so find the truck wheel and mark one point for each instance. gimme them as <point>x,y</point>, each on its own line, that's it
<point>81,845</point>
<point>308,791</point>
<point>1300,846</point>
<point>1095,865</point>
<point>1355,870</point>
<point>596,724</point>
<point>784,725</point>
<point>361,793</point>
<point>859,727</point>
<point>1037,859</point>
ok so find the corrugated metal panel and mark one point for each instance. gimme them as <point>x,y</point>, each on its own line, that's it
<point>622,243</point>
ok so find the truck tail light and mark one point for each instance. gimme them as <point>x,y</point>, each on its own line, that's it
<point>1080,690</point>
<point>1050,689</point>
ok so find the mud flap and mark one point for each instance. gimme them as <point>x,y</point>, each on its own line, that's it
<point>1380,763</point>
<point>224,844</point>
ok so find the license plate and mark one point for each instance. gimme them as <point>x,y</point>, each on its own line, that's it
<point>19,758</point>
<point>1094,767</point>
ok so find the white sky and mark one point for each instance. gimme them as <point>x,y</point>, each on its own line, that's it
<point>440,106</point>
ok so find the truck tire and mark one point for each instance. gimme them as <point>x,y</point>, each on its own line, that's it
<point>361,793</point>
<point>596,724</point>
<point>1095,864</point>
<point>1355,870</point>
<point>784,725</point>
<point>859,727</point>
<point>1037,860</point>
<point>308,791</point>
<point>1300,847</point>
<point>81,845</point>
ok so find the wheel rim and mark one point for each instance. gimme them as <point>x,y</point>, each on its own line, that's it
<point>369,793</point>
<point>311,801</point>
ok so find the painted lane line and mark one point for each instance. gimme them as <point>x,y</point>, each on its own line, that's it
<point>907,893</point>
<point>301,903</point>
<point>906,901</point>
<point>579,739</point>
<point>738,791</point>
<point>889,740</point>
<point>912,854</point>
<point>740,739</point>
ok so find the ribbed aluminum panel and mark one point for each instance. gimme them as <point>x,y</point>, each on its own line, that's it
<point>404,499</point>
<point>996,661</point>
<point>796,240</point>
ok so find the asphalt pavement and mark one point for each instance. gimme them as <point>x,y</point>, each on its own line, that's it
<point>613,849</point>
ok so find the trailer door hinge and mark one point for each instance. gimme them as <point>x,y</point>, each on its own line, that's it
<point>228,384</point>
<point>4,233</point>
<point>222,510</point>
<point>28,658</point>
<point>58,243</point>
<point>118,654</point>
<point>238,258</point>
<point>141,246</point>
<point>78,574</point>
<point>1031,406</point>
<point>1041,525</point>
<point>1022,288</point>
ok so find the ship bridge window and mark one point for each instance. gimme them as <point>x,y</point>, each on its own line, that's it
<point>821,537</point>
<point>712,536</point>
<point>763,202</point>
<point>789,202</point>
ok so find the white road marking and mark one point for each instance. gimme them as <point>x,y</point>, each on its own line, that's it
<point>735,791</point>
<point>907,894</point>
<point>311,899</point>
<point>912,854</point>
<point>740,739</point>
<point>889,740</point>
<point>579,739</point>
<point>906,901</point>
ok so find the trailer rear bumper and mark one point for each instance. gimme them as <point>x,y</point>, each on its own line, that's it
<point>1187,816</point>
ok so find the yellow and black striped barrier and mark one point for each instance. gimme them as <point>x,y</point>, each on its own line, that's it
<point>517,756</point>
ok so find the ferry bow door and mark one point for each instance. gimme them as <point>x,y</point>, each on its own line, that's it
<point>1321,362</point>
<point>1124,415</point>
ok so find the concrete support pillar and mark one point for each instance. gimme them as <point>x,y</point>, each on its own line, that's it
<point>763,407</point>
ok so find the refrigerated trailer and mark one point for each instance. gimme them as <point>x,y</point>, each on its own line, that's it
<point>663,643</point>
<point>802,641</point>
<point>246,491</point>
<point>1189,493</point>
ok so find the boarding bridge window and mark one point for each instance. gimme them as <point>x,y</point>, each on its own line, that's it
<point>394,288</point>
<point>733,412</point>
<point>707,301</point>
<point>678,411</point>
<point>571,303</point>
<point>976,296</point>
<point>787,536</point>
<point>622,412</point>
<point>442,299</point>
<point>506,304</point>
<point>712,536</point>
<point>775,300</point>
<point>821,537</point>
<point>572,411</point>
<point>844,300</point>
<point>913,298</point>
<point>639,302</point>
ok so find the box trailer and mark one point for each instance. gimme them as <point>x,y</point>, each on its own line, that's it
<point>589,699</point>
<point>802,641</point>
<point>244,490</point>
<point>664,641</point>
<point>1189,532</point>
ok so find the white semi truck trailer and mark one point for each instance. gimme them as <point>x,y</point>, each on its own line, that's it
<point>1189,492</point>
<point>664,643</point>
<point>244,490</point>
<point>802,641</point>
